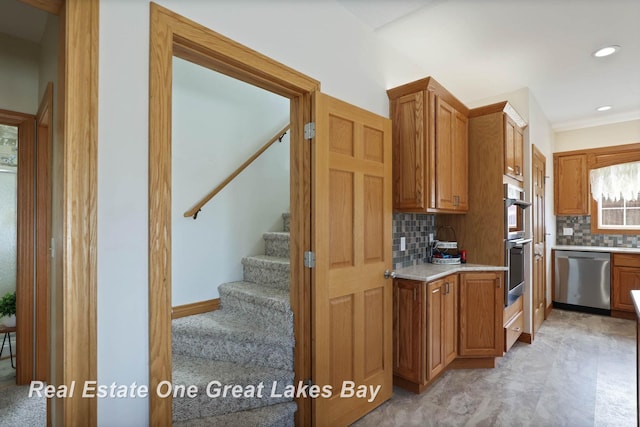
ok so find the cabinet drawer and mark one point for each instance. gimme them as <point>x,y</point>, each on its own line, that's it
<point>513,330</point>
<point>511,311</point>
<point>626,260</point>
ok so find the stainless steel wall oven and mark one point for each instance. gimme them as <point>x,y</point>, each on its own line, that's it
<point>515,242</point>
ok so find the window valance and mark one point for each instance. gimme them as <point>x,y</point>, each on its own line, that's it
<point>616,182</point>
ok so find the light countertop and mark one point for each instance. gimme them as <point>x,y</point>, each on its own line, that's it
<point>429,272</point>
<point>596,249</point>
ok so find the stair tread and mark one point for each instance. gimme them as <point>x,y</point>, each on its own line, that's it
<point>216,325</point>
<point>271,415</point>
<point>277,235</point>
<point>271,261</point>
<point>275,297</point>
<point>200,371</point>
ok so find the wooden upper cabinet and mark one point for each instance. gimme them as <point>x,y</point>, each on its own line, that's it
<point>571,184</point>
<point>430,148</point>
<point>513,149</point>
<point>510,137</point>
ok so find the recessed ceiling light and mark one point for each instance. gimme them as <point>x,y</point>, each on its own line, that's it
<point>606,51</point>
<point>604,108</point>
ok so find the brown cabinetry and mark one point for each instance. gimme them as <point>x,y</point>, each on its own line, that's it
<point>441,324</point>
<point>430,148</point>
<point>408,329</point>
<point>571,184</point>
<point>513,323</point>
<point>513,149</point>
<point>481,314</point>
<point>433,322</point>
<point>626,278</point>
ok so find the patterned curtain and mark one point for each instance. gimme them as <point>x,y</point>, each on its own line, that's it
<point>616,182</point>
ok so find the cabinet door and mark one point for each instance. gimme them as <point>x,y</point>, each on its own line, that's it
<point>435,328</point>
<point>509,147</point>
<point>408,329</point>
<point>571,185</point>
<point>481,314</point>
<point>409,152</point>
<point>625,279</point>
<point>450,319</point>
<point>451,158</point>
<point>518,153</point>
<point>460,166</point>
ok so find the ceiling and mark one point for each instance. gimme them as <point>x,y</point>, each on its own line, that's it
<point>483,48</point>
<point>480,49</point>
<point>21,20</point>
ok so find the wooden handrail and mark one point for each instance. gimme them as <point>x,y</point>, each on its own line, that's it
<point>193,212</point>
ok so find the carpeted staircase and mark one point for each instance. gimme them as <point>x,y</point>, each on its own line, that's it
<point>248,341</point>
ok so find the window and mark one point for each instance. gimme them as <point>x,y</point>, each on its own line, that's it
<point>616,192</point>
<point>619,214</point>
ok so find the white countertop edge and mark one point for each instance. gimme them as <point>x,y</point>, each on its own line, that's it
<point>429,272</point>
<point>595,249</point>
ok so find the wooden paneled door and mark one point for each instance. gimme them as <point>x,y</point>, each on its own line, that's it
<point>539,288</point>
<point>351,238</point>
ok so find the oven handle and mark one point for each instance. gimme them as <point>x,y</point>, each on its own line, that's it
<point>519,242</point>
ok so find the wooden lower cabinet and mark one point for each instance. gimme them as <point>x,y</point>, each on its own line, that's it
<point>625,278</point>
<point>481,314</point>
<point>429,318</point>
<point>513,323</point>
<point>442,324</point>
<point>408,329</point>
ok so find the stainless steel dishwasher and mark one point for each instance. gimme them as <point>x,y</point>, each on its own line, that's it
<point>582,281</point>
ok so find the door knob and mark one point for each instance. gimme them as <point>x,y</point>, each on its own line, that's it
<point>389,274</point>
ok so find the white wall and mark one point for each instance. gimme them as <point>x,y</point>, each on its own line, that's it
<point>320,39</point>
<point>598,136</point>
<point>18,74</point>
<point>218,123</point>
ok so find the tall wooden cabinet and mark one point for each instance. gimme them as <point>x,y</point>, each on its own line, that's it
<point>430,148</point>
<point>571,184</point>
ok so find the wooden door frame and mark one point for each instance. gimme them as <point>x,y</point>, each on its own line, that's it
<point>174,35</point>
<point>25,177</point>
<point>43,149</point>
<point>74,346</point>
<point>535,152</point>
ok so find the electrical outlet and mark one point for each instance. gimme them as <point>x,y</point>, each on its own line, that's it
<point>567,231</point>
<point>430,238</point>
<point>403,244</point>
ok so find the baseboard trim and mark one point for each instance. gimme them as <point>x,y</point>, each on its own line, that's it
<point>624,314</point>
<point>526,338</point>
<point>473,363</point>
<point>547,312</point>
<point>195,308</point>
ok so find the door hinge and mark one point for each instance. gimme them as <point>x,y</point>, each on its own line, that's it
<point>309,259</point>
<point>309,130</point>
<point>308,382</point>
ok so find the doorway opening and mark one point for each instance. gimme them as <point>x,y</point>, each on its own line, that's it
<point>175,36</point>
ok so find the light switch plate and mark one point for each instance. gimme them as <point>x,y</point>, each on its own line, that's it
<point>403,244</point>
<point>567,231</point>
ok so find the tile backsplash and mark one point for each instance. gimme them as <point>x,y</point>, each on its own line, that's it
<point>582,236</point>
<point>415,228</point>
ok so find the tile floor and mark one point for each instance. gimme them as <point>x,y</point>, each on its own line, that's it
<point>579,371</point>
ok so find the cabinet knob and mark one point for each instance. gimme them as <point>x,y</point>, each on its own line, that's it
<point>518,170</point>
